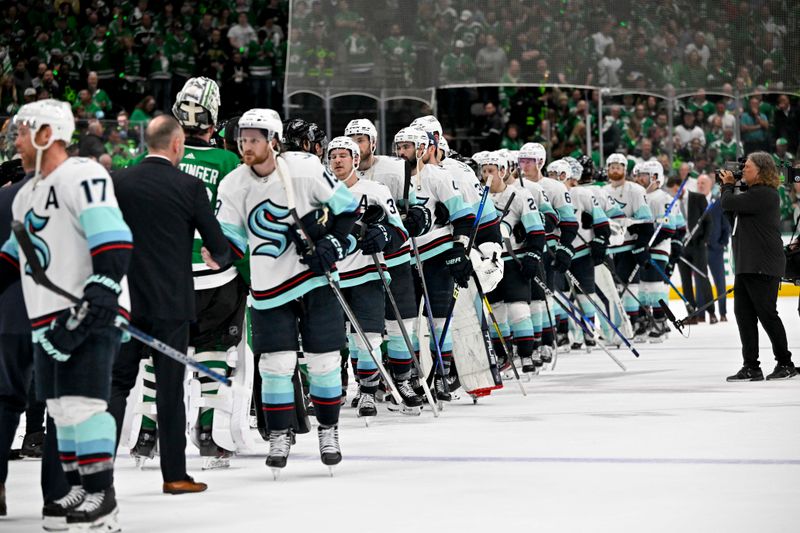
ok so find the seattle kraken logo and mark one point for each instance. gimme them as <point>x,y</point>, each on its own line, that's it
<point>621,204</point>
<point>263,222</point>
<point>33,224</point>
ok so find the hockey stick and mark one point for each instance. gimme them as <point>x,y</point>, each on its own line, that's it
<point>658,228</point>
<point>697,224</point>
<point>40,278</point>
<point>666,278</point>
<point>690,265</point>
<point>406,338</point>
<point>288,186</point>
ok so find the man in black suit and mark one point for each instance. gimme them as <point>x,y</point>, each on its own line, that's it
<point>718,237</point>
<point>163,207</point>
<point>695,251</point>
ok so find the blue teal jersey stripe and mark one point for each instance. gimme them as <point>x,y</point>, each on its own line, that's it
<point>104,224</point>
<point>342,200</point>
<point>10,247</point>
<point>235,234</point>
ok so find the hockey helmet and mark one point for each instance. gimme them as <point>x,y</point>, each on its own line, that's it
<point>362,126</point>
<point>413,135</point>
<point>430,124</point>
<point>49,112</point>
<point>617,158</point>
<point>494,158</point>
<point>297,131</point>
<point>588,168</point>
<point>345,143</point>
<point>266,120</point>
<point>558,168</point>
<point>533,151</point>
<point>576,170</point>
<point>197,104</point>
<point>655,169</point>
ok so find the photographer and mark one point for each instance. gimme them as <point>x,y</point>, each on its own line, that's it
<point>759,262</point>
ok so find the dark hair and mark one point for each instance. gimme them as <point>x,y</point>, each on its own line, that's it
<point>674,181</point>
<point>159,133</point>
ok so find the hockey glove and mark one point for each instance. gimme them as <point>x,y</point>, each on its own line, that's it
<point>529,264</point>
<point>326,252</point>
<point>562,258</point>
<point>101,293</point>
<point>642,256</point>
<point>459,264</point>
<point>586,220</point>
<point>417,221</point>
<point>66,333</point>
<point>598,250</point>
<point>375,239</point>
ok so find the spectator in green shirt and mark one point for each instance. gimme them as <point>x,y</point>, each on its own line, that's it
<point>85,108</point>
<point>143,111</point>
<point>511,140</point>
<point>99,97</point>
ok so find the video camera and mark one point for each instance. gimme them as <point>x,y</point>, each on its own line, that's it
<point>790,173</point>
<point>736,169</point>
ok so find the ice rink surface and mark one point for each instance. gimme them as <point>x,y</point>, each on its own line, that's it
<point>667,446</point>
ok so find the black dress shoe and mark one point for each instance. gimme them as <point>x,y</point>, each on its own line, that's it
<point>747,374</point>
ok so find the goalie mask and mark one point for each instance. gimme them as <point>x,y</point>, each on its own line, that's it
<point>197,104</point>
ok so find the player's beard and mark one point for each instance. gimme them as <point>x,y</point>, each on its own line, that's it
<point>252,159</point>
<point>616,177</point>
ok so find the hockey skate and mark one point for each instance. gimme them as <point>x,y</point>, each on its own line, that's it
<point>280,442</point>
<point>97,512</point>
<point>329,451</point>
<point>562,341</point>
<point>354,402</point>
<point>547,355</point>
<point>529,365</point>
<point>54,514</point>
<point>412,403</point>
<point>659,332</point>
<point>145,447</point>
<point>366,407</point>
<point>213,456</point>
<point>441,389</point>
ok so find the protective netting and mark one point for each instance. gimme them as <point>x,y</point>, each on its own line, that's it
<point>668,47</point>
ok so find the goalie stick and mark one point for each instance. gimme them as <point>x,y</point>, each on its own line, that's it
<point>40,278</point>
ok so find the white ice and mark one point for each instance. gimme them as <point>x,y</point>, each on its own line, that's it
<point>667,446</point>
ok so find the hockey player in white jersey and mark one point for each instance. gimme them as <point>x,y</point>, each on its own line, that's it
<point>379,230</point>
<point>654,288</point>
<point>290,293</point>
<point>524,241</point>
<point>559,241</point>
<point>443,248</point>
<point>594,228</point>
<point>638,223</point>
<point>82,242</point>
<point>393,173</point>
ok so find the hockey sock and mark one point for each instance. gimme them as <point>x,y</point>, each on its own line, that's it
<point>587,307</point>
<point>325,386</point>
<point>537,310</point>
<point>215,361</point>
<point>547,324</point>
<point>67,453</point>
<point>367,370</point>
<point>95,440</point>
<point>630,305</point>
<point>149,395</point>
<point>277,390</point>
<point>399,358</point>
<point>521,327</point>
<point>447,346</point>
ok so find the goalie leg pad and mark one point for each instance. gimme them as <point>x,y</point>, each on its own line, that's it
<point>277,390</point>
<point>231,427</point>
<point>325,386</point>
<point>217,361</point>
<point>149,395</point>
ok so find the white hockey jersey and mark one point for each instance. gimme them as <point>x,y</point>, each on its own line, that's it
<point>585,202</point>
<point>549,215</point>
<point>522,219</point>
<point>391,172</point>
<point>358,268</point>
<point>658,200</point>
<point>253,210</point>
<point>71,216</point>
<point>631,199</point>
<point>466,182</point>
<point>434,185</point>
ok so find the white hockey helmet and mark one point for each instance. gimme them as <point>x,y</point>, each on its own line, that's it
<point>428,123</point>
<point>197,104</point>
<point>617,158</point>
<point>576,169</point>
<point>495,158</point>
<point>513,157</point>
<point>444,146</point>
<point>478,157</point>
<point>655,169</point>
<point>344,143</point>
<point>560,167</point>
<point>266,120</point>
<point>637,169</point>
<point>362,126</point>
<point>533,151</point>
<point>413,135</point>
<point>50,112</point>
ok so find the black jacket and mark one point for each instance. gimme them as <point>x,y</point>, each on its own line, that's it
<point>755,217</point>
<point>13,315</point>
<point>163,206</point>
<point>720,229</point>
<point>695,206</point>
